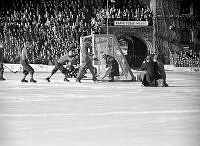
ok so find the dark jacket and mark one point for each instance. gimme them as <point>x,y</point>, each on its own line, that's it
<point>1,55</point>
<point>84,51</point>
<point>151,74</point>
<point>111,62</point>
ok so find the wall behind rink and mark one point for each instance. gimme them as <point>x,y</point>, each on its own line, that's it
<point>36,67</point>
<point>48,68</point>
<point>144,33</point>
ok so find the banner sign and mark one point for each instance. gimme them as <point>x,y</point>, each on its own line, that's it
<point>131,23</point>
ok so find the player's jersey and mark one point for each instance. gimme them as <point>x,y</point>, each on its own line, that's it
<point>63,59</point>
<point>24,55</point>
<point>85,49</point>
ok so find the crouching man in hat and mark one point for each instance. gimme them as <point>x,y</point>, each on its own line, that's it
<point>151,72</point>
<point>113,67</point>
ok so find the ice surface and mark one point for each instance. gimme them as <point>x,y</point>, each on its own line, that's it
<point>99,114</point>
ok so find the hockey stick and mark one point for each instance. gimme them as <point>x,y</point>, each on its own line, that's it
<point>10,69</point>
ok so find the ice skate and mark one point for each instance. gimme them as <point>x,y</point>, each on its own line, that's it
<point>78,80</point>
<point>1,76</point>
<point>2,79</point>
<point>94,79</point>
<point>165,85</point>
<point>32,80</point>
<point>112,80</point>
<point>24,80</point>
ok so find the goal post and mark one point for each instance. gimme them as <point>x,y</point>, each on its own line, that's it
<point>107,44</point>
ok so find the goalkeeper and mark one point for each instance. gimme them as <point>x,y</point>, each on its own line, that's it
<point>113,67</point>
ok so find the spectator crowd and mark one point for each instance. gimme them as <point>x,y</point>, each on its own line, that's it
<point>186,59</point>
<point>53,26</point>
<point>131,12</point>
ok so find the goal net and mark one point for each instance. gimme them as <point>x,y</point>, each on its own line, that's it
<point>107,44</point>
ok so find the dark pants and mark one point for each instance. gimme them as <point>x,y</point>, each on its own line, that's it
<point>1,70</point>
<point>27,68</point>
<point>86,65</point>
<point>60,67</point>
<point>150,79</point>
<point>114,70</point>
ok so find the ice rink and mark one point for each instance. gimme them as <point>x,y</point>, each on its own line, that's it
<point>99,114</point>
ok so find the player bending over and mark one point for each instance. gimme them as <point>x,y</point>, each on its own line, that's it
<point>113,67</point>
<point>59,65</point>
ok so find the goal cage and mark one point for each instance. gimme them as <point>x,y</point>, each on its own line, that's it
<point>107,44</point>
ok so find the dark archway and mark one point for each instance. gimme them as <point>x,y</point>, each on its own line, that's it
<point>136,52</point>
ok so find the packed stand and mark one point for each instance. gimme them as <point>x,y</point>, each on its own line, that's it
<point>186,59</point>
<point>132,10</point>
<point>51,27</point>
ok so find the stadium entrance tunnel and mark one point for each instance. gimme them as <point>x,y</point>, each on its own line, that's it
<point>134,49</point>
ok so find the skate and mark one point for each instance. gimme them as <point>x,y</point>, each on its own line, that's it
<point>66,80</point>
<point>48,79</point>
<point>78,80</point>
<point>24,80</point>
<point>112,80</point>
<point>165,85</point>
<point>32,80</point>
<point>94,79</point>
<point>2,79</point>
